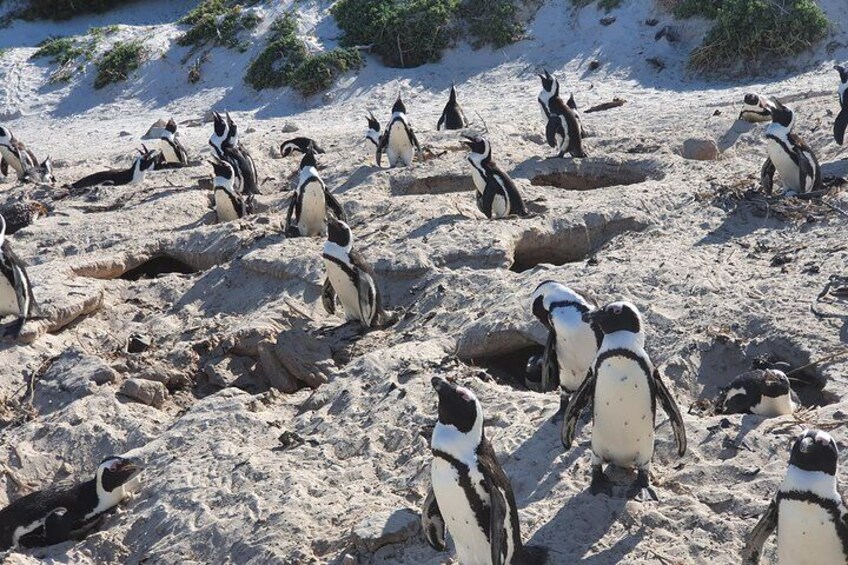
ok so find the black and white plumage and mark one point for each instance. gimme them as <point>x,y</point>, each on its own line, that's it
<point>307,213</point>
<point>756,108</point>
<point>350,278</point>
<point>552,104</point>
<point>788,154</point>
<point>172,150</point>
<point>144,163</point>
<point>623,388</point>
<point>16,298</point>
<point>842,118</point>
<point>227,146</point>
<point>14,154</point>
<point>497,195</point>
<point>398,142</point>
<point>42,173</point>
<point>808,511</point>
<point>470,495</point>
<point>302,145</point>
<point>229,203</point>
<point>21,214</point>
<point>452,116</point>
<point>66,511</point>
<point>765,392</point>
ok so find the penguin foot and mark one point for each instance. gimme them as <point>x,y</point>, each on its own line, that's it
<point>563,404</point>
<point>600,483</point>
<point>642,490</point>
<point>13,329</point>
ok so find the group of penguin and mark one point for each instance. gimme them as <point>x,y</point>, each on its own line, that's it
<point>595,355</point>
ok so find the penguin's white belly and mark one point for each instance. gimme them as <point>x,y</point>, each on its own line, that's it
<point>345,289</point>
<point>168,152</point>
<point>312,210</point>
<point>542,107</point>
<point>786,167</point>
<point>472,545</point>
<point>479,181</point>
<point>771,407</point>
<point>400,149</point>
<point>623,429</point>
<point>8,299</point>
<point>806,535</point>
<point>500,206</point>
<point>12,159</point>
<point>224,207</point>
<point>576,347</point>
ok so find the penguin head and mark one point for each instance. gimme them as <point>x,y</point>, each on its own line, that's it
<point>458,406</point>
<point>540,300</point>
<point>299,144</point>
<point>219,125</point>
<point>147,158</point>
<point>171,126</point>
<point>222,169</point>
<point>373,133</point>
<point>775,383</point>
<point>478,144</point>
<point>781,115</point>
<point>815,450</point>
<point>398,107</point>
<point>47,171</point>
<point>308,159</point>
<point>616,317</point>
<point>339,233</point>
<point>114,472</point>
<point>843,73</point>
<point>452,96</point>
<point>5,135</point>
<point>549,83</point>
<point>756,108</point>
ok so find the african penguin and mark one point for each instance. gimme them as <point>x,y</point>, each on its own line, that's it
<point>21,214</point>
<point>14,154</point>
<point>623,388</point>
<point>470,494</point>
<point>551,103</point>
<point>788,154</point>
<point>145,162</point>
<point>399,141</point>
<point>229,204</point>
<point>65,512</point>
<point>301,145</point>
<point>16,297</point>
<point>452,116</point>
<point>307,213</point>
<point>172,151</point>
<point>808,511</point>
<point>350,278</point>
<point>572,343</point>
<point>756,108</point>
<point>497,195</point>
<point>227,146</point>
<point>842,119</point>
<point>765,392</point>
<point>42,173</point>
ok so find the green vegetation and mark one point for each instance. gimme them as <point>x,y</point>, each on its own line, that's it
<point>72,53</point>
<point>493,22</point>
<point>318,72</point>
<point>217,22</point>
<point>609,5</point>
<point>748,30</point>
<point>64,9</point>
<point>119,62</point>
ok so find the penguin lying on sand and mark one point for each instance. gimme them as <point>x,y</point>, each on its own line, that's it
<point>16,297</point>
<point>808,511</point>
<point>307,213</point>
<point>788,154</point>
<point>65,512</point>
<point>470,495</point>
<point>301,145</point>
<point>765,392</point>
<point>145,162</point>
<point>42,173</point>
<point>497,195</point>
<point>14,154</point>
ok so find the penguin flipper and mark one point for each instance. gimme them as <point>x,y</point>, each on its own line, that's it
<point>290,229</point>
<point>806,169</point>
<point>488,198</point>
<point>328,297</point>
<point>550,364</point>
<point>767,175</point>
<point>432,522</point>
<point>673,412</point>
<point>761,532</point>
<point>579,400</point>
<point>497,518</point>
<point>4,167</point>
<point>334,205</point>
<point>554,124</point>
<point>840,124</point>
<point>384,142</point>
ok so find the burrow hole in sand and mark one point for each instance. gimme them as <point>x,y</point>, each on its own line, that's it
<point>157,266</point>
<point>436,184</point>
<point>578,181</point>
<point>509,368</point>
<point>590,174</point>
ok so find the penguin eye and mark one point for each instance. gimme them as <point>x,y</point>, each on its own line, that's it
<point>616,309</point>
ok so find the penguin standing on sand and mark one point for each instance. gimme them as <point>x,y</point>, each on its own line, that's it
<point>551,103</point>
<point>765,392</point>
<point>374,134</point>
<point>16,297</point>
<point>302,145</point>
<point>66,512</point>
<point>808,511</point>
<point>144,163</point>
<point>350,278</point>
<point>307,213</point>
<point>788,154</point>
<point>399,141</point>
<point>14,154</point>
<point>470,494</point>
<point>497,195</point>
<point>623,388</point>
<point>572,342</point>
<point>172,150</point>
<point>229,204</point>
<point>227,146</point>
<point>452,116</point>
<point>842,119</point>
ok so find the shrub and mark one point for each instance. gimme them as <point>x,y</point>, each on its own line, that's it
<point>747,30</point>
<point>64,9</point>
<point>609,5</point>
<point>217,22</point>
<point>493,22</point>
<point>61,50</point>
<point>119,62</point>
<point>283,54</point>
<point>318,72</point>
<point>71,53</point>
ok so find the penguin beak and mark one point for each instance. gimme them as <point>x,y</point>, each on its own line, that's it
<point>592,316</point>
<point>439,383</point>
<point>806,444</point>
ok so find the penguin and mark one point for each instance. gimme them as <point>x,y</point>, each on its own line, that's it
<point>16,297</point>
<point>572,343</point>
<point>623,388</point>
<point>21,214</point>
<point>172,151</point>
<point>307,211</point>
<point>65,512</point>
<point>229,204</point>
<point>374,134</point>
<point>756,108</point>
<point>301,145</point>
<point>765,392</point>
<point>399,141</point>
<point>452,116</point>
<point>497,195</point>
<point>563,134</point>
<point>842,119</point>
<point>350,278</point>
<point>808,511</point>
<point>788,154</point>
<point>551,103</point>
<point>14,154</point>
<point>227,146</point>
<point>145,162</point>
<point>42,173</point>
<point>470,495</point>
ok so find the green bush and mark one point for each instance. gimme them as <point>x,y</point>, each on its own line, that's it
<point>67,50</point>
<point>493,22</point>
<point>61,50</point>
<point>405,33</point>
<point>119,62</point>
<point>609,5</point>
<point>282,55</point>
<point>318,72</point>
<point>64,9</point>
<point>749,30</point>
<point>217,22</point>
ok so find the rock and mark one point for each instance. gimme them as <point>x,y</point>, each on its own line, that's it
<point>72,375</point>
<point>349,559</point>
<point>384,528</point>
<point>594,65</point>
<point>156,130</point>
<point>313,362</point>
<point>289,127</point>
<point>669,33</point>
<point>700,149</point>
<point>124,133</point>
<point>138,343</point>
<point>228,371</point>
<point>151,393</point>
<point>277,375</point>
<point>609,20</point>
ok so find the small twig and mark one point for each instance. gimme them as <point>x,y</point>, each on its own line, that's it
<point>616,102</point>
